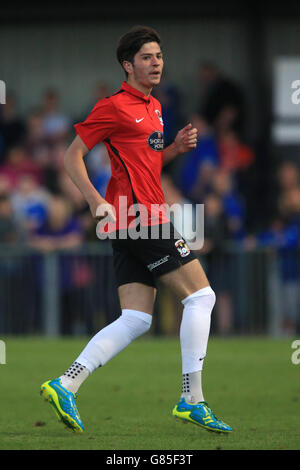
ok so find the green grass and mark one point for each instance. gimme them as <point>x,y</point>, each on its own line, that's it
<point>251,383</point>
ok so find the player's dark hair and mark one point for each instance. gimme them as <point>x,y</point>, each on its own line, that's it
<point>130,43</point>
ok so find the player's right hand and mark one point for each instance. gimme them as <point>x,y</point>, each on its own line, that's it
<point>101,209</point>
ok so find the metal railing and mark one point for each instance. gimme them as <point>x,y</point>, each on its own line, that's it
<point>74,292</point>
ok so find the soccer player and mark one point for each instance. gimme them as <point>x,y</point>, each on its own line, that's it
<point>129,123</point>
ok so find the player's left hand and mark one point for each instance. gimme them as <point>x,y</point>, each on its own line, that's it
<point>186,139</point>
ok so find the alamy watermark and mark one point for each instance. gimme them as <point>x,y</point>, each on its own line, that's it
<point>295,358</point>
<point>2,92</point>
<point>141,222</point>
<point>2,352</point>
<point>295,97</point>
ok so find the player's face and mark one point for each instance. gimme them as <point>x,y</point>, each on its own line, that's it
<point>147,66</point>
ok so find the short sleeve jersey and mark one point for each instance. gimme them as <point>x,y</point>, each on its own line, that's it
<point>131,127</point>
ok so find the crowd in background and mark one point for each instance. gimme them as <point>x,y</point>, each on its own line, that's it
<point>42,208</point>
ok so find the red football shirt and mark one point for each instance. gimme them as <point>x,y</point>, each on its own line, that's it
<point>131,127</point>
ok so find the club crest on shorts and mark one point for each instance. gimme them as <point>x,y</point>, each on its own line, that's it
<point>182,247</point>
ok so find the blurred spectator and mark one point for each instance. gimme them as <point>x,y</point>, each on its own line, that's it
<point>60,230</point>
<point>221,100</point>
<point>5,189</point>
<point>9,230</point>
<point>238,158</point>
<point>30,204</point>
<point>54,166</point>
<point>56,125</point>
<point>12,126</point>
<point>199,165</point>
<point>234,154</point>
<point>36,144</point>
<point>17,165</point>
<point>288,176</point>
<point>215,227</point>
<point>233,206</point>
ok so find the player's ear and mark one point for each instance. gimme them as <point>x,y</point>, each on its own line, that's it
<point>127,66</point>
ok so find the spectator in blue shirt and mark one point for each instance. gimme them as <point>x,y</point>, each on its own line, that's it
<point>233,205</point>
<point>199,165</point>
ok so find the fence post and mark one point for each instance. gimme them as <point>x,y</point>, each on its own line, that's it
<point>51,308</point>
<point>274,303</point>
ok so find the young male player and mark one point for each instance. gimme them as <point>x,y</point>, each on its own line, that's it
<point>129,123</point>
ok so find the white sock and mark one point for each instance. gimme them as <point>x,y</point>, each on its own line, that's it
<point>192,387</point>
<point>74,376</point>
<point>112,339</point>
<point>194,333</point>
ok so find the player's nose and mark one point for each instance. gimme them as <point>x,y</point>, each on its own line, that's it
<point>156,62</point>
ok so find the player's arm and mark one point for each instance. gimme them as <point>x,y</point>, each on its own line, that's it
<point>76,169</point>
<point>185,141</point>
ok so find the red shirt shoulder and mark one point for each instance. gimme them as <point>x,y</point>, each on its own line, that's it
<point>100,124</point>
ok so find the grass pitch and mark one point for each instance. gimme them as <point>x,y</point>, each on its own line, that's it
<point>250,383</point>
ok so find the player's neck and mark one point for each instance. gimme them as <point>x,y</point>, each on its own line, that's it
<point>139,86</point>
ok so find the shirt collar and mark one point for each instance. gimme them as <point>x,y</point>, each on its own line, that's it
<point>135,92</point>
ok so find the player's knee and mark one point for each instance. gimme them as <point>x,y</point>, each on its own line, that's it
<point>211,298</point>
<point>137,323</point>
<point>206,297</point>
